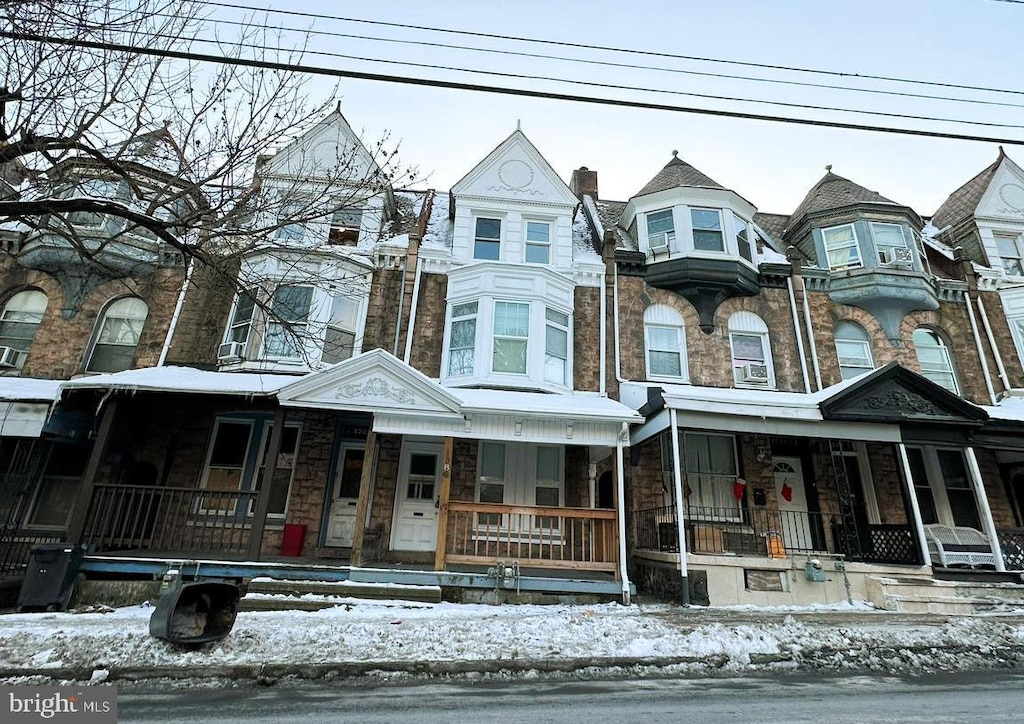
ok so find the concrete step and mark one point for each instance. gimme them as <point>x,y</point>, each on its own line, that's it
<point>273,594</point>
<point>920,595</point>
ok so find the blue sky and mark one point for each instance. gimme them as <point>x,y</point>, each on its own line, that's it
<point>445,132</point>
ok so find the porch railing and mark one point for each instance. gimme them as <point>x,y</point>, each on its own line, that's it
<point>15,550</point>
<point>889,544</point>
<point>731,530</point>
<point>162,519</point>
<point>580,538</point>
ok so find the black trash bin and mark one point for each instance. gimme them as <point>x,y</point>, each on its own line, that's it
<point>50,577</point>
<point>195,612</point>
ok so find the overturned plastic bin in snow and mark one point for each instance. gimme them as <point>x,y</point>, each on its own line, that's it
<point>194,612</point>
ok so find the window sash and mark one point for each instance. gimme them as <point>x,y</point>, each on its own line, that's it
<point>1009,248</point>
<point>241,318</point>
<point>664,354</point>
<point>286,328</point>
<point>538,242</point>
<point>854,357</point>
<point>661,222</point>
<point>841,247</point>
<point>743,244</point>
<point>511,334</point>
<point>556,347</point>
<point>487,239</point>
<point>707,229</point>
<point>888,236</point>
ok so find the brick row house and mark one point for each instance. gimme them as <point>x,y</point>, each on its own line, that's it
<point>517,384</point>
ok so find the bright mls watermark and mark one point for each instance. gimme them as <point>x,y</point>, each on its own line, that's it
<point>82,704</point>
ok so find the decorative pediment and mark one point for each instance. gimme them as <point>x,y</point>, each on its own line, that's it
<point>373,381</point>
<point>894,394</point>
<point>515,170</point>
<point>1004,197</point>
<point>327,148</point>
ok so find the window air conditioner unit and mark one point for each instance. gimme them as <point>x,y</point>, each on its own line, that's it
<point>230,351</point>
<point>658,242</point>
<point>902,255</point>
<point>9,357</point>
<point>755,373</point>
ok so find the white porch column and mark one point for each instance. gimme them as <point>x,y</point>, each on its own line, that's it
<point>620,492</point>
<point>677,482</point>
<point>984,509</point>
<point>915,508</point>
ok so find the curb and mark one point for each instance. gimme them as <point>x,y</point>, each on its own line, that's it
<point>269,674</point>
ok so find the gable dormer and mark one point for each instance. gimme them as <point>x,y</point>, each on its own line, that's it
<point>513,208</point>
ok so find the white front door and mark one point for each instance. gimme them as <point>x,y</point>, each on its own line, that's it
<point>792,502</point>
<point>341,524</point>
<point>419,483</point>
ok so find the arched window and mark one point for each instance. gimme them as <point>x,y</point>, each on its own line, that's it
<point>18,324</point>
<point>935,360</point>
<point>854,350</point>
<point>665,341</point>
<point>751,353</point>
<point>117,336</point>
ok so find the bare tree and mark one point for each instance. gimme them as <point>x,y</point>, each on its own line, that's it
<point>169,153</point>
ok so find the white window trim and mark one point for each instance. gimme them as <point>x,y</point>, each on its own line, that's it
<point>947,355</point>
<point>670,236</point>
<point>549,246</point>
<point>721,232</point>
<point>679,350</point>
<point>502,230</point>
<point>300,340</point>
<point>748,323</point>
<point>1017,239</point>
<point>859,263</point>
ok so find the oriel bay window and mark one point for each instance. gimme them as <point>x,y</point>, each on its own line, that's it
<point>525,343</point>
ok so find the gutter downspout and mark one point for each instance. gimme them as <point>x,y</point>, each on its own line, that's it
<point>985,509</point>
<point>615,315</point>
<point>603,364</point>
<point>412,309</point>
<point>799,336</point>
<point>177,313</point>
<point>677,480</point>
<point>810,336</point>
<point>621,505</point>
<point>992,343</point>
<point>981,351</point>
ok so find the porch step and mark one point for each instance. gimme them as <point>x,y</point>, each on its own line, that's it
<point>925,595</point>
<point>264,594</point>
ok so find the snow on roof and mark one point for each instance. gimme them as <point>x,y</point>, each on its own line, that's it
<point>184,379</point>
<point>539,404</point>
<point>1009,408</point>
<point>595,216</point>
<point>29,389</point>
<point>439,227</point>
<point>582,242</point>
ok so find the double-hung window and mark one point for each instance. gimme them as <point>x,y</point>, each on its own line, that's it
<point>889,238</point>
<point>1010,253</point>
<point>340,336</point>
<point>935,360</point>
<point>661,230</point>
<point>117,336</point>
<point>290,226</point>
<point>742,232</point>
<point>853,349</point>
<point>556,346</point>
<point>538,242</point>
<point>511,334</point>
<point>751,355</point>
<point>841,248</point>
<point>707,230</point>
<point>19,321</point>
<point>241,317</point>
<point>345,225</point>
<point>289,316</point>
<point>462,339</point>
<point>711,469</point>
<point>487,239</point>
<point>943,486</point>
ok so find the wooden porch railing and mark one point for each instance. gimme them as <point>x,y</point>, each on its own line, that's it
<point>162,519</point>
<point>572,538</point>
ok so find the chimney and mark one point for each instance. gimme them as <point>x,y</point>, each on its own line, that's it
<point>584,182</point>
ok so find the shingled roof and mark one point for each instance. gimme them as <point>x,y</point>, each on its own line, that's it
<point>835,192</point>
<point>964,201</point>
<point>677,173</point>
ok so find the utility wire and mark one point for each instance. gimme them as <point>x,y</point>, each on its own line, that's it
<point>628,66</point>
<point>612,49</point>
<point>453,85</point>
<point>612,86</point>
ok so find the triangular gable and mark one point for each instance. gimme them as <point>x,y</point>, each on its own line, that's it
<point>1004,197</point>
<point>319,150</point>
<point>894,394</point>
<point>515,169</point>
<point>371,382</point>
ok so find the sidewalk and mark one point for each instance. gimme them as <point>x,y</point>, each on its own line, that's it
<point>403,639</point>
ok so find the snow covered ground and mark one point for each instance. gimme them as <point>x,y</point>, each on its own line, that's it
<point>493,637</point>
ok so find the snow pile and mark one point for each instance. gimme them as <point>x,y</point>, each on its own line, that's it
<point>393,632</point>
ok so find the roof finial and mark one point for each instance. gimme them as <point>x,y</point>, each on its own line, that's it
<point>675,154</point>
<point>519,126</point>
<point>828,168</point>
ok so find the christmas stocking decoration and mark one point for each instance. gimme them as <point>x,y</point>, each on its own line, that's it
<point>787,493</point>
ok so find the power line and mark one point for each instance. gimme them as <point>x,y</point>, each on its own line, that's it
<point>611,86</point>
<point>613,64</point>
<point>633,51</point>
<point>453,85</point>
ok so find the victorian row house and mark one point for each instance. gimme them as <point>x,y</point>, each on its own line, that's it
<point>518,385</point>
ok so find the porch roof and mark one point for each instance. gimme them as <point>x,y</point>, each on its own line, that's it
<point>28,389</point>
<point>1009,409</point>
<point>578,405</point>
<point>183,379</point>
<point>25,404</point>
